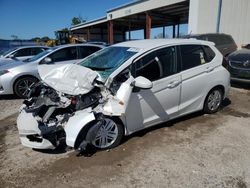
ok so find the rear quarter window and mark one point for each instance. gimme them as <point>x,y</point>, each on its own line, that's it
<point>209,53</point>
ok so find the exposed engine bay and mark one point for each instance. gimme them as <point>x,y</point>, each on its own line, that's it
<point>50,117</point>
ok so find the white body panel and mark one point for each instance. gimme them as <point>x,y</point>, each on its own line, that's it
<point>170,97</point>
<point>75,125</point>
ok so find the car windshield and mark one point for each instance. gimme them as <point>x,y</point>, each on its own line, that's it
<point>108,59</point>
<point>38,56</point>
<point>4,53</point>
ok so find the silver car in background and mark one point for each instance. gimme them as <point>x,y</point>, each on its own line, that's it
<point>21,53</point>
<point>17,77</point>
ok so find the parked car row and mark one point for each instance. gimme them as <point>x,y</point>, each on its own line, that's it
<point>16,76</point>
<point>120,90</point>
<point>21,53</point>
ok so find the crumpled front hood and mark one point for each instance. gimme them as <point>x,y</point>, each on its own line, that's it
<point>71,79</point>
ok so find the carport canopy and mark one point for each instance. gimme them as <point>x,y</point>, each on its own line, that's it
<point>139,15</point>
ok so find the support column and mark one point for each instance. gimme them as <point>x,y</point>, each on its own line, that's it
<point>148,26</point>
<point>88,34</point>
<point>102,38</point>
<point>110,32</point>
<point>129,30</point>
<point>124,35</point>
<point>163,32</point>
<point>178,30</point>
<point>174,31</point>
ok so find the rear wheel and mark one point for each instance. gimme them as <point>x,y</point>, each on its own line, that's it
<point>22,86</point>
<point>213,101</point>
<point>109,134</point>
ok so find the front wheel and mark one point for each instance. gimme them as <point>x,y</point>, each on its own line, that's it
<point>108,136</point>
<point>22,86</point>
<point>213,101</point>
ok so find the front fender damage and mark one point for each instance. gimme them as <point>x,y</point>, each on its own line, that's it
<point>51,116</point>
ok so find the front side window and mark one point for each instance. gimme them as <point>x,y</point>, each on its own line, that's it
<point>157,64</point>
<point>23,52</point>
<point>192,56</point>
<point>64,54</point>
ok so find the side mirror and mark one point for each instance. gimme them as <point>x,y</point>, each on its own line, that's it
<point>46,60</point>
<point>142,83</point>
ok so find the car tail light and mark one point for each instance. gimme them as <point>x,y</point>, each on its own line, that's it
<point>225,63</point>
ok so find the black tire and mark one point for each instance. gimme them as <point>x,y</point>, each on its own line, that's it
<point>118,127</point>
<point>213,101</point>
<point>22,86</point>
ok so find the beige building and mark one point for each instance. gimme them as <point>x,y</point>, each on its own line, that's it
<point>202,16</point>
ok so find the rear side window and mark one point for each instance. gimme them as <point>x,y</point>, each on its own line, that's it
<point>209,53</point>
<point>23,52</point>
<point>192,56</point>
<point>35,51</point>
<point>64,54</point>
<point>85,51</point>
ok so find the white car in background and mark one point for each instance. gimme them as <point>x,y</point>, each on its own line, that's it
<point>20,53</point>
<point>16,77</point>
<point>122,89</point>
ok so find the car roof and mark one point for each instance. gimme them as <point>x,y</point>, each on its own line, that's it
<point>154,43</point>
<point>22,47</point>
<point>206,34</point>
<point>84,44</point>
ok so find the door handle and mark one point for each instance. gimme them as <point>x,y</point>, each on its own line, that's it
<point>173,84</point>
<point>209,69</point>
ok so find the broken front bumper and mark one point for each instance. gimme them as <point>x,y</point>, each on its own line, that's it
<point>29,132</point>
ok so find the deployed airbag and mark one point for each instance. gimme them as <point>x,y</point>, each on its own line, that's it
<point>71,79</point>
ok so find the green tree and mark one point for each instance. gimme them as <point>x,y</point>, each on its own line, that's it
<point>77,20</point>
<point>45,39</point>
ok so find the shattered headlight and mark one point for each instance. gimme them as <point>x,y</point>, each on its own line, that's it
<point>2,72</point>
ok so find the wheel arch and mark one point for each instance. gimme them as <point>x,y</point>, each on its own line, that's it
<point>20,77</point>
<point>83,132</point>
<point>221,87</point>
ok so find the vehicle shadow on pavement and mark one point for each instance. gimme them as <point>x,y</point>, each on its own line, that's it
<point>225,103</point>
<point>59,150</point>
<point>9,97</point>
<point>241,85</point>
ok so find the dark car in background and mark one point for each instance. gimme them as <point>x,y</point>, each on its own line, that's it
<point>239,66</point>
<point>223,42</point>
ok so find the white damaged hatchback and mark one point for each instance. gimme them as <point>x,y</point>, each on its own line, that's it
<point>122,89</point>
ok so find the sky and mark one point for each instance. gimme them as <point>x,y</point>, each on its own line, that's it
<point>38,18</point>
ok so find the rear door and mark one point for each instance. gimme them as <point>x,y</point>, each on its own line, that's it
<point>84,51</point>
<point>196,68</point>
<point>152,106</point>
<point>37,50</point>
<point>64,56</point>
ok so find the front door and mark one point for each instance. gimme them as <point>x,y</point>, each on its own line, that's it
<point>160,103</point>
